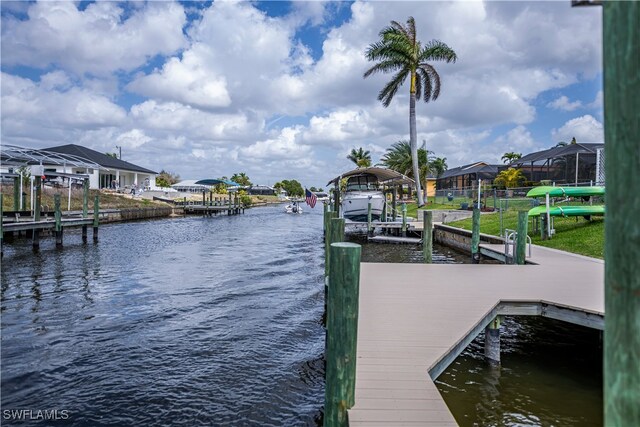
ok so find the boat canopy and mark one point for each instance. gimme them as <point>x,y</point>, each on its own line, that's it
<point>385,176</point>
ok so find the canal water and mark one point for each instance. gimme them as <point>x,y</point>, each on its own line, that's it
<point>217,321</point>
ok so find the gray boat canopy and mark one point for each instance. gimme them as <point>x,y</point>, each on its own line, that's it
<point>385,176</point>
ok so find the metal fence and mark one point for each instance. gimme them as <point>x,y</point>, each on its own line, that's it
<point>490,198</point>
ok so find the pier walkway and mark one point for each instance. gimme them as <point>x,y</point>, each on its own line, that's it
<point>415,319</point>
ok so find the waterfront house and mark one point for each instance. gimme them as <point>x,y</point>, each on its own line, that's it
<point>113,173</point>
<point>261,190</point>
<point>566,164</point>
<point>190,186</point>
<point>467,176</point>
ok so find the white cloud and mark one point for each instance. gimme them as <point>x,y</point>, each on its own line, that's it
<point>98,40</point>
<point>284,146</point>
<point>205,106</point>
<point>584,129</point>
<point>563,103</point>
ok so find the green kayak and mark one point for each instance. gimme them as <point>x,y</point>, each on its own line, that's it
<point>568,210</point>
<point>565,191</point>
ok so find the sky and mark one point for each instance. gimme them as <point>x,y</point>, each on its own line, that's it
<point>276,90</point>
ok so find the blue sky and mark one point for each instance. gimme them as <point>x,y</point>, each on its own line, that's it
<point>275,89</point>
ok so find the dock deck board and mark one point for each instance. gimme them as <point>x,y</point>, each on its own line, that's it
<point>415,318</point>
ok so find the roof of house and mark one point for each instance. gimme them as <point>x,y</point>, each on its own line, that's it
<point>561,151</point>
<point>481,168</point>
<point>99,158</point>
<point>189,183</point>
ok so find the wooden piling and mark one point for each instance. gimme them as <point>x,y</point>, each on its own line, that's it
<point>621,42</point>
<point>521,241</point>
<point>16,193</point>
<point>404,220</point>
<point>336,235</point>
<point>96,217</point>
<point>342,332</point>
<point>58,218</point>
<point>427,236</point>
<point>36,210</point>
<point>336,199</point>
<point>394,206</point>
<point>492,341</point>
<point>544,229</point>
<point>327,240</point>
<point>475,236</point>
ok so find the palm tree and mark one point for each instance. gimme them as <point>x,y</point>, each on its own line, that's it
<point>510,157</point>
<point>398,158</point>
<point>399,51</point>
<point>360,157</point>
<point>438,165</point>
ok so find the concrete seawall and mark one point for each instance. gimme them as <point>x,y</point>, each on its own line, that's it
<point>458,238</point>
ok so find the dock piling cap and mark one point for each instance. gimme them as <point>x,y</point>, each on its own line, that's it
<point>346,245</point>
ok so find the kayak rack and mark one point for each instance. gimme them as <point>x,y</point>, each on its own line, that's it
<point>510,238</point>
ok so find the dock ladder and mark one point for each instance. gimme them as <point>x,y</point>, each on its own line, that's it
<point>510,238</point>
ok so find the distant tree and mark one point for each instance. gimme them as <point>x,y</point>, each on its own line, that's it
<point>510,157</point>
<point>25,171</point>
<point>573,140</point>
<point>314,189</point>
<point>292,187</point>
<point>509,178</point>
<point>114,155</point>
<point>162,182</point>
<point>241,178</point>
<point>361,157</point>
<point>166,179</point>
<point>438,166</point>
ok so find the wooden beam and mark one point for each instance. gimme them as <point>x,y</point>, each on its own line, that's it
<point>621,44</point>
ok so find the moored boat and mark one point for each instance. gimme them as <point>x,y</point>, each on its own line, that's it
<point>364,186</point>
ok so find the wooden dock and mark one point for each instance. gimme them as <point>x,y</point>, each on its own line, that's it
<point>415,319</point>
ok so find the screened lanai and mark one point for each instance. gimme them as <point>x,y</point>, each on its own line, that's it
<point>568,164</point>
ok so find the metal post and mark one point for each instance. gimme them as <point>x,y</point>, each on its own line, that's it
<point>22,205</point>
<point>621,43</point>
<point>475,237</point>
<point>69,198</point>
<point>521,242</point>
<point>427,236</point>
<point>369,233</point>
<point>36,210</point>
<point>548,219</point>
<point>342,332</point>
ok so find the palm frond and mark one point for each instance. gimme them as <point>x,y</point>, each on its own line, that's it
<point>388,92</point>
<point>432,82</point>
<point>435,50</point>
<point>383,67</point>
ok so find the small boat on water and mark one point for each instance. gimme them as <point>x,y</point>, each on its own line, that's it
<point>293,208</point>
<point>364,186</point>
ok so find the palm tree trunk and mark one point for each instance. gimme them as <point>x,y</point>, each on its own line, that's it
<point>413,140</point>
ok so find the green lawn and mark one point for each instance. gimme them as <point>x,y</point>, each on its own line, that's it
<point>575,235</point>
